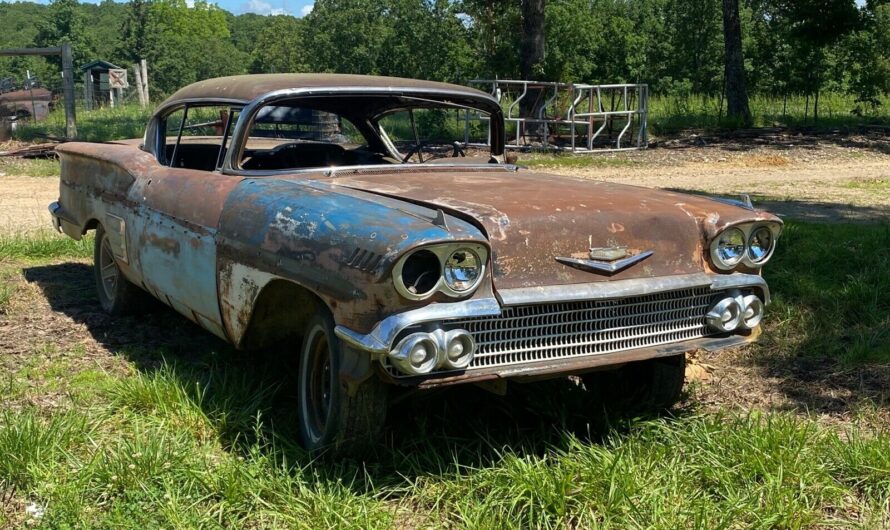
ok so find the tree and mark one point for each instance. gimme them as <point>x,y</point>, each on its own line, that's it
<point>531,47</point>
<point>279,46</point>
<point>734,65</point>
<point>134,40</point>
<point>64,22</point>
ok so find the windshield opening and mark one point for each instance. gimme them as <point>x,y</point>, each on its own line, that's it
<point>368,130</point>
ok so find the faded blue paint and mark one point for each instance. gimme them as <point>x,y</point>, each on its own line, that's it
<point>311,222</point>
<point>179,264</point>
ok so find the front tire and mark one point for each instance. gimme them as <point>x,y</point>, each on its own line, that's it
<point>651,386</point>
<point>117,295</point>
<point>330,416</point>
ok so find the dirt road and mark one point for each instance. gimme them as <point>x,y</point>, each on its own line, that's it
<point>818,181</point>
<point>24,201</point>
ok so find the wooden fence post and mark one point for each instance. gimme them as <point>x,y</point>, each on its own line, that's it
<point>140,90</point>
<point>68,89</point>
<point>144,67</point>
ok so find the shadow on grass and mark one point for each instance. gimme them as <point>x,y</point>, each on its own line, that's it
<point>826,345</point>
<point>425,433</point>
<point>783,138</point>
<point>809,211</point>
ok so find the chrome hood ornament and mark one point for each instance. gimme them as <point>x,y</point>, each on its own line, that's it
<point>606,260</point>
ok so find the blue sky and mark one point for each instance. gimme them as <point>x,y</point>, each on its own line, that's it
<point>297,8</point>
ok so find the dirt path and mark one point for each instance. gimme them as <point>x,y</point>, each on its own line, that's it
<point>823,184</point>
<point>818,180</point>
<point>24,201</point>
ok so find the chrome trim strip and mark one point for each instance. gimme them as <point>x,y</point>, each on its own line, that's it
<point>381,338</point>
<point>624,288</point>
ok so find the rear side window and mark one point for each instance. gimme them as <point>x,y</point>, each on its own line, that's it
<point>292,136</point>
<point>196,137</point>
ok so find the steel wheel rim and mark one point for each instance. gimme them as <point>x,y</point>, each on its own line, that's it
<point>318,385</point>
<point>108,270</point>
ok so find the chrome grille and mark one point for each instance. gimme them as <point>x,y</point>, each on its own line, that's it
<point>556,331</point>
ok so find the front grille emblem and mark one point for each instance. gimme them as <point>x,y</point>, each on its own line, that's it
<point>608,260</point>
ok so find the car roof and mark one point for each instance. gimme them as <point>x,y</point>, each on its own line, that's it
<point>245,88</point>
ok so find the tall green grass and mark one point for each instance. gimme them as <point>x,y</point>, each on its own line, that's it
<point>109,465</point>
<point>43,245</point>
<point>832,292</point>
<point>100,125</point>
<point>670,114</point>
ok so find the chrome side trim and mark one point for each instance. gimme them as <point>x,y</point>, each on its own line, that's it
<point>380,339</point>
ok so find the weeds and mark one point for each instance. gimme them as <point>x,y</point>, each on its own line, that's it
<point>44,245</point>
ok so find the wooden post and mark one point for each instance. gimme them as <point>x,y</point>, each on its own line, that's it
<point>144,67</point>
<point>68,88</point>
<point>88,90</point>
<point>140,91</point>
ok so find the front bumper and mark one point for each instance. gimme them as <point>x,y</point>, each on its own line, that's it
<point>381,339</point>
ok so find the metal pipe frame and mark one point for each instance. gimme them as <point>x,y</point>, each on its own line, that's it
<point>585,107</point>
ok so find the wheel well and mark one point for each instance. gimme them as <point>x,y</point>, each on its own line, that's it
<point>92,224</point>
<point>279,313</point>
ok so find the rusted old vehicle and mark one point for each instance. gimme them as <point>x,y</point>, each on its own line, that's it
<point>347,211</point>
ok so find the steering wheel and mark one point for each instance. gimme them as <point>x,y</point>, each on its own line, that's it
<point>417,149</point>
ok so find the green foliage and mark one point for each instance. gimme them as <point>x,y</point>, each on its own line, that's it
<point>791,48</point>
<point>833,303</point>
<point>279,46</point>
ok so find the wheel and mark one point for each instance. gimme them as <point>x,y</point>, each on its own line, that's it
<point>331,416</point>
<point>653,386</point>
<point>117,295</point>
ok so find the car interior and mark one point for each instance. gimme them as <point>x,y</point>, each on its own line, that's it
<point>312,133</point>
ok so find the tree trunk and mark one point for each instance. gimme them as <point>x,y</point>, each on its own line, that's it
<point>736,91</point>
<point>531,55</point>
<point>531,49</point>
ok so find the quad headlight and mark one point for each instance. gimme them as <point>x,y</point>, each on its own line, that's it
<point>462,270</point>
<point>455,269</point>
<point>750,244</point>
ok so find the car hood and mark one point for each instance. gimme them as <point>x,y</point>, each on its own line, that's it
<point>533,218</point>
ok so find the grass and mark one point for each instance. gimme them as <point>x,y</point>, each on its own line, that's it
<point>671,114</point>
<point>99,125</point>
<point>36,167</point>
<point>832,292</point>
<point>876,184</point>
<point>43,245</point>
<point>191,434</point>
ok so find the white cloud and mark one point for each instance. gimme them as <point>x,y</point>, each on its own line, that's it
<point>261,7</point>
<point>306,9</point>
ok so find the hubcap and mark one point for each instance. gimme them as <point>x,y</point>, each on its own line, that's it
<point>108,271</point>
<point>318,385</point>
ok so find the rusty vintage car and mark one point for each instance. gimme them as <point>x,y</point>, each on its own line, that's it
<point>351,214</point>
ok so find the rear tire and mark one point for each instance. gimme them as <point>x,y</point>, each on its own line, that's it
<point>117,295</point>
<point>651,386</point>
<point>330,417</point>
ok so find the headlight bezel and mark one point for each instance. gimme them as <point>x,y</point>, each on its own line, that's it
<point>443,251</point>
<point>746,260</point>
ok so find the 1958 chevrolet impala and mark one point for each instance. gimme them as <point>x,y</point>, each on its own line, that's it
<point>349,213</point>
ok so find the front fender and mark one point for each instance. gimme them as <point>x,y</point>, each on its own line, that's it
<point>338,243</point>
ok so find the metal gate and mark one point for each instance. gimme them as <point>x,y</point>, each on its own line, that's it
<point>574,117</point>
